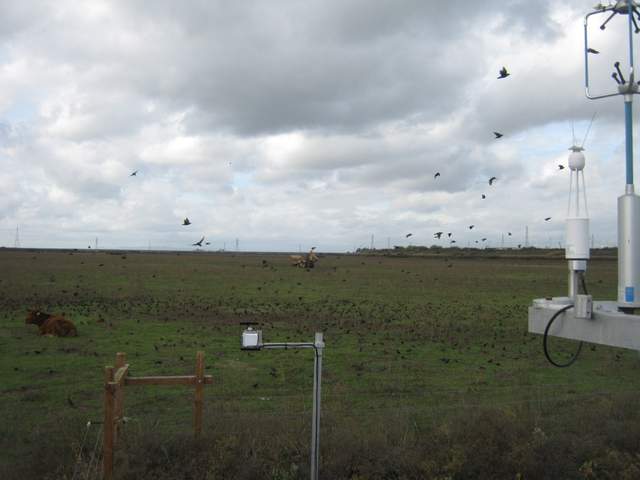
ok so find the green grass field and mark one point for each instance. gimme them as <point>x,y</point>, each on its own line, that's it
<point>410,341</point>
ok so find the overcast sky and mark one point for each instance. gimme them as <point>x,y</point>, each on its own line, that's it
<point>290,124</point>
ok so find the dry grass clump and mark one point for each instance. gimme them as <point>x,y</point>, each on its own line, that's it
<point>598,439</point>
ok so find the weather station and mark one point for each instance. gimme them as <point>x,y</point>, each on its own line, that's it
<point>576,316</point>
<point>252,340</point>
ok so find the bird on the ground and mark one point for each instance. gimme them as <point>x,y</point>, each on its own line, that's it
<point>471,227</point>
<point>503,73</point>
<point>484,196</point>
<point>438,235</point>
<point>198,243</point>
<point>186,221</point>
<point>498,135</point>
<point>593,50</point>
<point>560,167</point>
<point>547,219</point>
<point>492,179</point>
<point>134,173</point>
<point>436,175</point>
<point>70,402</point>
<point>406,236</point>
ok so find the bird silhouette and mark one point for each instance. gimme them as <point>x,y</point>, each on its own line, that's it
<point>453,241</point>
<point>503,73</point>
<point>498,135</point>
<point>207,243</point>
<point>519,245</point>
<point>484,239</point>
<point>593,50</point>
<point>492,179</point>
<point>509,233</point>
<point>134,173</point>
<point>547,219</point>
<point>560,167</point>
<point>438,235</point>
<point>198,243</point>
<point>436,175</point>
<point>484,196</point>
<point>449,234</point>
<point>406,236</point>
<point>471,227</point>
<point>186,221</point>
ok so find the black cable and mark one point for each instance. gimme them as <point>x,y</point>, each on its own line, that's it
<point>584,284</point>
<point>546,335</point>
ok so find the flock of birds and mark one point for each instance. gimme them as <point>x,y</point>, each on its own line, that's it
<point>503,73</point>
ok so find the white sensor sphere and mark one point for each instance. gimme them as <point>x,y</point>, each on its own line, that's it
<point>576,160</point>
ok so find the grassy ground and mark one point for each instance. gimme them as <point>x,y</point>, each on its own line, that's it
<point>421,339</point>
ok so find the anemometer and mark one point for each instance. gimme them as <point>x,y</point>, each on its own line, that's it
<point>576,316</point>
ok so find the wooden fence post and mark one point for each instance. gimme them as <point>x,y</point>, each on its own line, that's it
<point>121,359</point>
<point>108,425</point>
<point>199,395</point>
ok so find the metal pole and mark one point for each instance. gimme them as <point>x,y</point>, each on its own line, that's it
<point>318,347</point>
<point>315,426</point>
<point>628,130</point>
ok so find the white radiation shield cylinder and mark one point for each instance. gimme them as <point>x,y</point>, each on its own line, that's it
<point>577,239</point>
<point>629,251</point>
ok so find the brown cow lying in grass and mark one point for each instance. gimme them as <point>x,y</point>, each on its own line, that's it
<point>51,324</point>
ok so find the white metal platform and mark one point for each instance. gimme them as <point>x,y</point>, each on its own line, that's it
<point>607,326</point>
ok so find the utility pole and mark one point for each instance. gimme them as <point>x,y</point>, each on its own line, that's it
<point>388,243</point>
<point>16,242</point>
<point>372,241</point>
<point>96,243</point>
<point>502,242</point>
<point>526,236</point>
<point>237,243</point>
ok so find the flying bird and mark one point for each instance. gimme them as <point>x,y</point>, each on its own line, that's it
<point>198,243</point>
<point>484,196</point>
<point>503,73</point>
<point>406,236</point>
<point>509,233</point>
<point>547,219</point>
<point>186,221</point>
<point>438,235</point>
<point>560,167</point>
<point>492,179</point>
<point>471,227</point>
<point>498,135</point>
<point>593,50</point>
<point>436,175</point>
<point>453,241</point>
<point>484,239</point>
<point>207,243</point>
<point>449,234</point>
<point>134,173</point>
